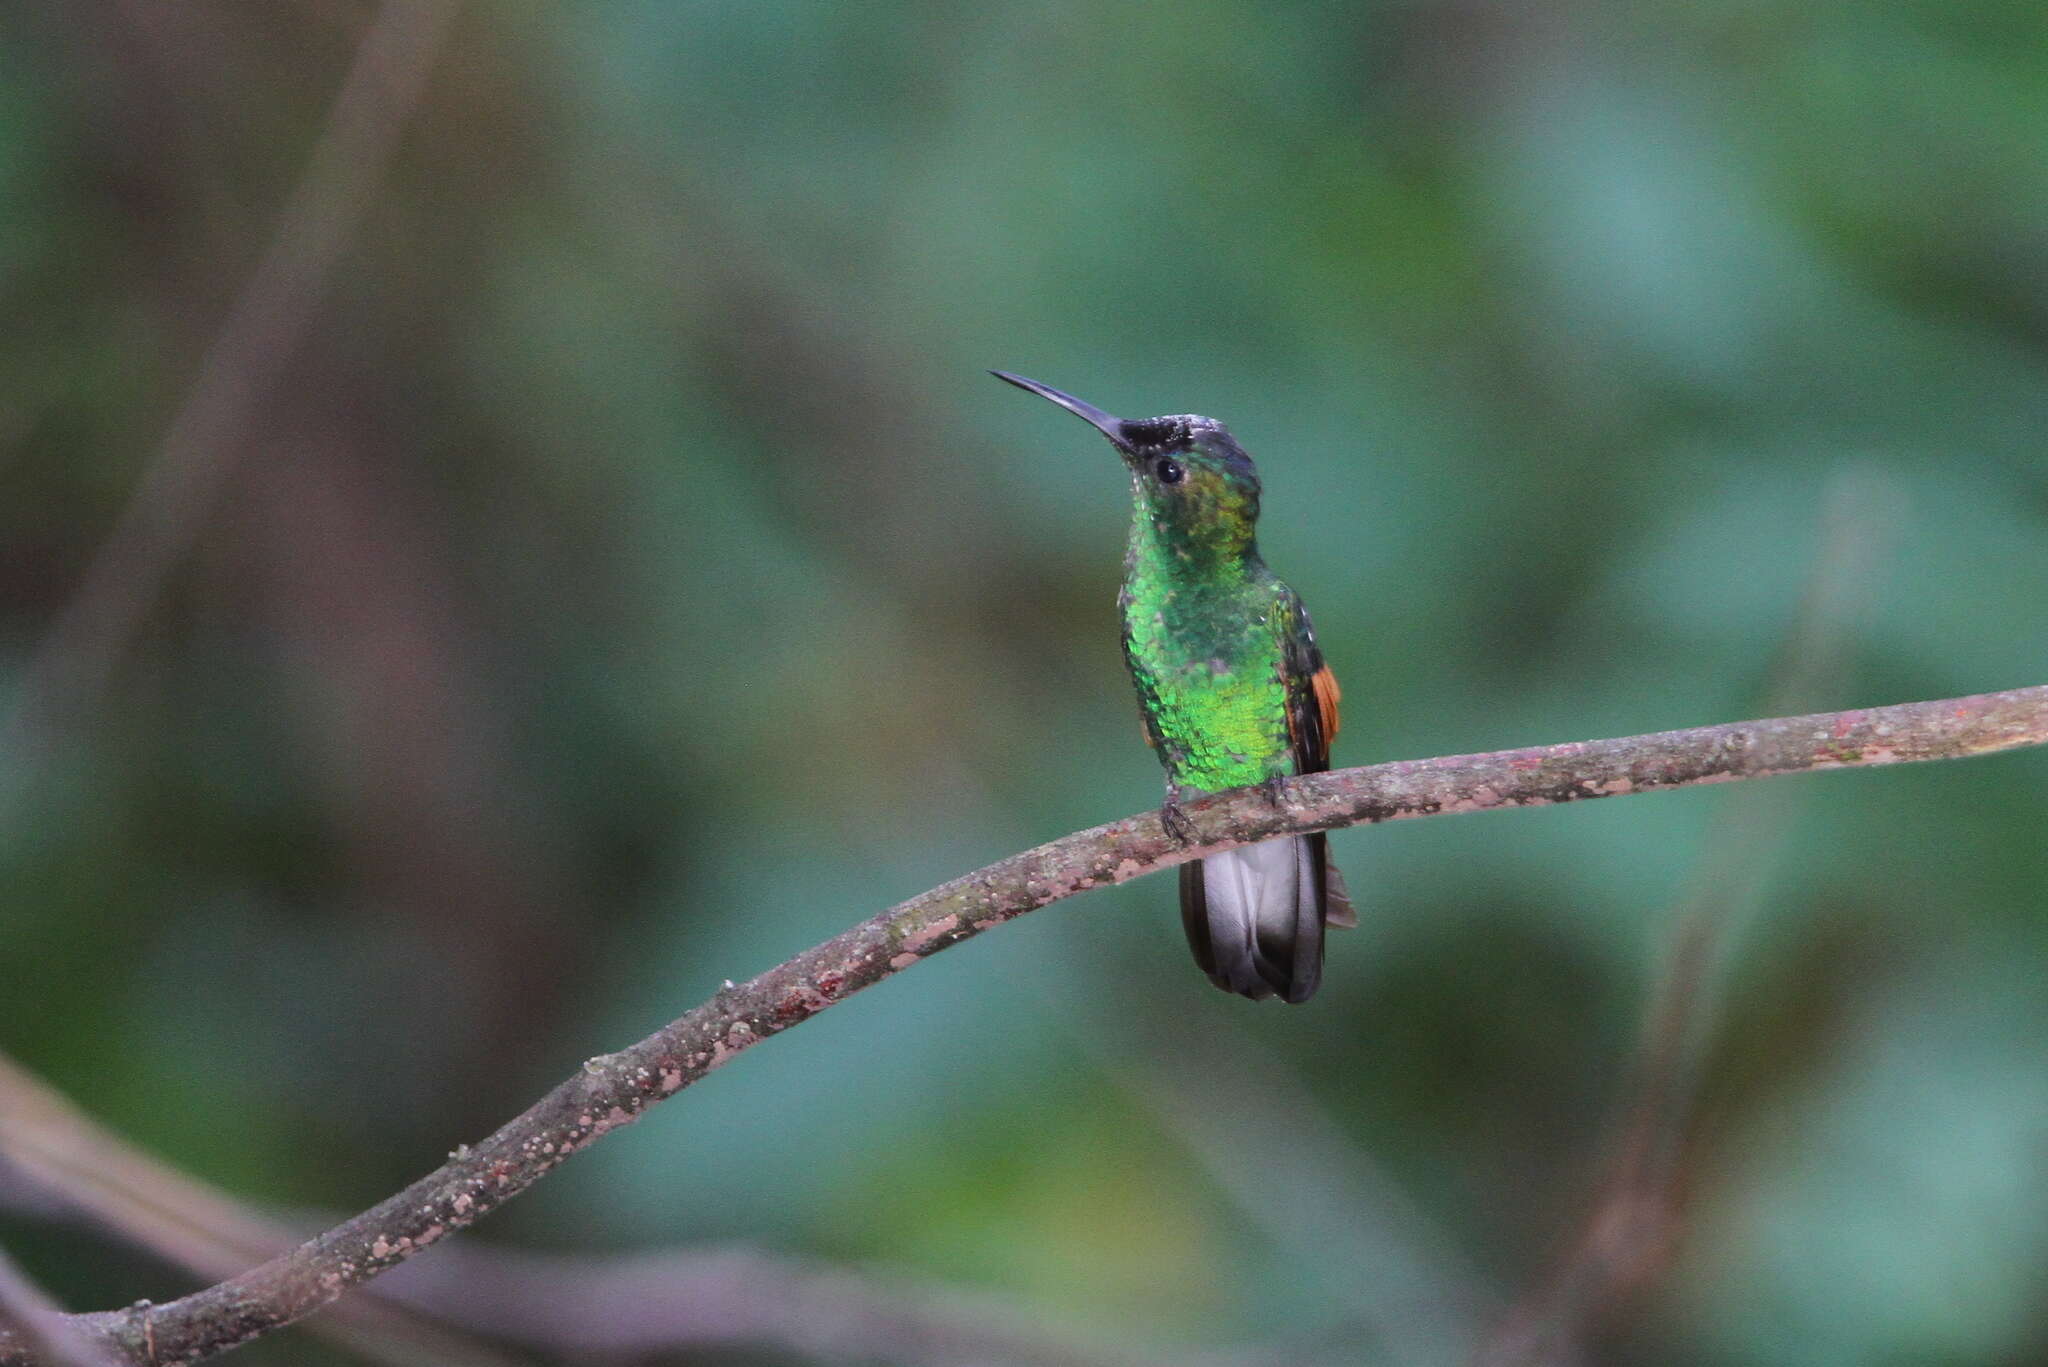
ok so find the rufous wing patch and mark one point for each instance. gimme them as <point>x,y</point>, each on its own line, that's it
<point>1328,695</point>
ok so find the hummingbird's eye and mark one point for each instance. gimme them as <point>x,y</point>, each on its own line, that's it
<point>1168,470</point>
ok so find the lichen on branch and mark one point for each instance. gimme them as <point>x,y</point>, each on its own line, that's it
<point>614,1089</point>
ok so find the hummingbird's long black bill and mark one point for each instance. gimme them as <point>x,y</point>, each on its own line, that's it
<point>1109,425</point>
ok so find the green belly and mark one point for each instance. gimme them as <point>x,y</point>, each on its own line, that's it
<point>1218,725</point>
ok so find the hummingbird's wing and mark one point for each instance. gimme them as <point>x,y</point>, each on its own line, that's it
<point>1312,699</point>
<point>1312,722</point>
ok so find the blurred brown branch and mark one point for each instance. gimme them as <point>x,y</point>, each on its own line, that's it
<point>179,487</point>
<point>615,1089</point>
<point>1314,1191</point>
<point>728,1298</point>
<point>63,1164</point>
<point>59,1340</point>
<point>57,1162</point>
<point>1634,1222</point>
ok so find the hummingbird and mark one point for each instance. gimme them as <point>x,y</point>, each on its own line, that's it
<point>1232,688</point>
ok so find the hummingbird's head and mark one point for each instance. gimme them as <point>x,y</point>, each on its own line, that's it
<point>1192,478</point>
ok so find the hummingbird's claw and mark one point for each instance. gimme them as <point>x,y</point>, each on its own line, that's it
<point>1274,790</point>
<point>1176,821</point>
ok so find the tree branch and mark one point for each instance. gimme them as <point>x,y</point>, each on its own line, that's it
<point>58,1163</point>
<point>615,1089</point>
<point>26,1310</point>
<point>53,1153</point>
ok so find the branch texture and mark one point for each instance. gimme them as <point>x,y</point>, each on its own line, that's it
<point>615,1089</point>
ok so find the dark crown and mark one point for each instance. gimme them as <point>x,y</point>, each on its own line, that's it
<point>1155,434</point>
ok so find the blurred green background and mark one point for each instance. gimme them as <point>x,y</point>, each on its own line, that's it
<point>627,576</point>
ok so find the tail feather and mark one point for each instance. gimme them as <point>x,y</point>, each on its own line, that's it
<point>1337,908</point>
<point>1254,916</point>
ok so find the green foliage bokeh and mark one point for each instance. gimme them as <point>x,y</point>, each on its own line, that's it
<point>633,578</point>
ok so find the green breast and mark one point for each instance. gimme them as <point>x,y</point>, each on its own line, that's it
<point>1208,665</point>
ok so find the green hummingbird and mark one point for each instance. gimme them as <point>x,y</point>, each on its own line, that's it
<point>1233,690</point>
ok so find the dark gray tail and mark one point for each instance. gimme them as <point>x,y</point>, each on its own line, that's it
<point>1254,916</point>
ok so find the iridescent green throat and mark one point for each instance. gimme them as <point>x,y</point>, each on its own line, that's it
<point>1199,633</point>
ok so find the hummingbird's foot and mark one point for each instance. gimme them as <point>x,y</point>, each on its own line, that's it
<point>1176,821</point>
<point>1274,791</point>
